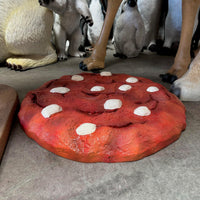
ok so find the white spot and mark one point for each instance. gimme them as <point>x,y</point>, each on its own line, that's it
<point>152,89</point>
<point>77,78</point>
<point>142,111</point>
<point>112,104</point>
<point>86,129</point>
<point>50,110</point>
<point>131,80</point>
<point>106,74</point>
<point>125,87</point>
<point>97,89</point>
<point>61,90</point>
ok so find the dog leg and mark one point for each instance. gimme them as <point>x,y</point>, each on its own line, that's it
<point>183,59</point>
<point>97,58</point>
<point>187,88</point>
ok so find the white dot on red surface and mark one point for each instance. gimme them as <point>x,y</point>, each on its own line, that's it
<point>131,80</point>
<point>86,129</point>
<point>125,87</point>
<point>61,90</point>
<point>97,88</point>
<point>106,73</point>
<point>152,89</point>
<point>142,111</point>
<point>77,78</point>
<point>50,110</point>
<point>112,104</point>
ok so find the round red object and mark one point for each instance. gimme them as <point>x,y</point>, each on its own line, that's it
<point>102,117</point>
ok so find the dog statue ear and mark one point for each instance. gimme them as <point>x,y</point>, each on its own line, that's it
<point>132,3</point>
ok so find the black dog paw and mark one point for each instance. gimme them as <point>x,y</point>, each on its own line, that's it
<point>83,66</point>
<point>169,78</point>
<point>96,71</point>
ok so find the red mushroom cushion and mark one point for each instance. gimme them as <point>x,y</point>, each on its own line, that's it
<point>102,117</point>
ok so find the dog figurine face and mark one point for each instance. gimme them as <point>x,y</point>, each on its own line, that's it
<point>57,6</point>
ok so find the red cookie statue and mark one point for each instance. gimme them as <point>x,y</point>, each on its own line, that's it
<point>102,117</point>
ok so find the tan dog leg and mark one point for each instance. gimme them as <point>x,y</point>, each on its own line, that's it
<point>183,58</point>
<point>187,88</point>
<point>97,58</point>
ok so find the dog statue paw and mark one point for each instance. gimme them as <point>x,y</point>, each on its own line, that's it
<point>178,69</point>
<point>90,64</point>
<point>187,88</point>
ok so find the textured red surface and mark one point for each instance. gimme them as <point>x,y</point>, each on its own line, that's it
<point>120,134</point>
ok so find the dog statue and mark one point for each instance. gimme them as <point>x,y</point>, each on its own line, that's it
<point>187,87</point>
<point>97,58</point>
<point>25,34</point>
<point>129,31</point>
<point>67,14</point>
